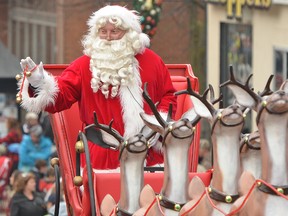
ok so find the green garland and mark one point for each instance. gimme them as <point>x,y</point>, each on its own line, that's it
<point>149,11</point>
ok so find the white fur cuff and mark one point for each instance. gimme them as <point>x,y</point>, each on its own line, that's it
<point>45,94</point>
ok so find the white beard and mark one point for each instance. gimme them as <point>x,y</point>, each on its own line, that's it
<point>112,63</point>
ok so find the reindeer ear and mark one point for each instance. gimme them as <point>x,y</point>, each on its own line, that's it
<point>246,181</point>
<point>242,96</point>
<point>284,86</point>
<point>200,108</point>
<point>107,205</point>
<point>190,114</point>
<point>196,187</point>
<point>109,139</point>
<point>152,122</point>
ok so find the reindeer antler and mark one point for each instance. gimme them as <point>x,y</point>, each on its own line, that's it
<point>153,107</point>
<point>203,98</point>
<point>212,95</point>
<point>267,90</point>
<point>108,129</point>
<point>246,87</point>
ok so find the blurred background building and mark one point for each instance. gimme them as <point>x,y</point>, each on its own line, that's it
<point>252,36</point>
<point>51,32</point>
<point>210,35</point>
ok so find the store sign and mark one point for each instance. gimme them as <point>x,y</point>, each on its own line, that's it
<point>234,7</point>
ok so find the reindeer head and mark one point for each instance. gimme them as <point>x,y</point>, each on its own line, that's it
<point>248,98</point>
<point>108,137</point>
<point>169,129</point>
<point>228,117</point>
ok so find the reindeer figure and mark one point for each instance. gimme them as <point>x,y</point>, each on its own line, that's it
<point>226,126</point>
<point>133,152</point>
<point>177,138</point>
<point>250,153</point>
<point>272,122</point>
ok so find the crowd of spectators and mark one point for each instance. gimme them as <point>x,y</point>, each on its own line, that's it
<point>30,183</point>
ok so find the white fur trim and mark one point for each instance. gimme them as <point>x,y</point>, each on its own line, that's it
<point>44,95</point>
<point>145,42</point>
<point>128,17</point>
<point>132,105</point>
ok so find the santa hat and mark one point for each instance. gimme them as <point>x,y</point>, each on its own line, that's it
<point>130,18</point>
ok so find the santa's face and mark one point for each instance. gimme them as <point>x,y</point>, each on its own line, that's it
<point>112,60</point>
<point>111,32</point>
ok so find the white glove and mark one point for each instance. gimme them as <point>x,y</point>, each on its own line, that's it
<point>37,72</point>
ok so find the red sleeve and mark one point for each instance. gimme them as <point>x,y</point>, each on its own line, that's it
<point>69,84</point>
<point>159,85</point>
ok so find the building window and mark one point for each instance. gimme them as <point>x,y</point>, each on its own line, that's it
<point>32,29</point>
<point>280,66</point>
<point>236,50</point>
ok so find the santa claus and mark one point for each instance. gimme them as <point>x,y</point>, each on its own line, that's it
<point>107,79</point>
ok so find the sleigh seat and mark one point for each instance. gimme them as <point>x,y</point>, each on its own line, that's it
<point>66,126</point>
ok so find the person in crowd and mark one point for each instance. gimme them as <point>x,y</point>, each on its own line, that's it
<point>108,79</point>
<point>32,148</point>
<point>26,201</point>
<point>44,121</point>
<point>51,201</point>
<point>48,181</point>
<point>39,170</point>
<point>205,154</point>
<point>12,188</point>
<point>11,142</point>
<point>31,119</point>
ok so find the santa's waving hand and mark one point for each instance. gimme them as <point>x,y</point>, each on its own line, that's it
<point>35,77</point>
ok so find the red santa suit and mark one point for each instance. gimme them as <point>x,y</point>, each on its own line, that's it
<point>73,85</point>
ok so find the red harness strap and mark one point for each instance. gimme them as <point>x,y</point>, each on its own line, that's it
<point>198,201</point>
<point>158,204</point>
<point>250,191</point>
<point>25,71</point>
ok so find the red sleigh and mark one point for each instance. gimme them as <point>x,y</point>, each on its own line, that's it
<point>66,126</point>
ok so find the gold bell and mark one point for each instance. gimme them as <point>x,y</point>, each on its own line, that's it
<point>18,99</point>
<point>79,146</point>
<point>28,73</point>
<point>148,144</point>
<point>219,116</point>
<point>209,189</point>
<point>18,77</point>
<point>280,190</point>
<point>78,181</point>
<point>259,183</point>
<point>54,161</point>
<point>228,199</point>
<point>177,207</point>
